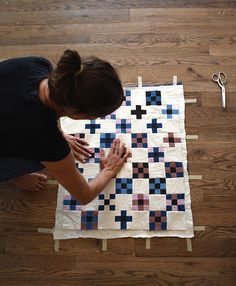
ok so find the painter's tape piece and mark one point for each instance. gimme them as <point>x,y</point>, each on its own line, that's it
<point>52,182</point>
<point>104,245</point>
<point>174,79</point>
<point>140,81</point>
<point>189,244</point>
<point>199,228</point>
<point>56,245</point>
<point>195,177</point>
<point>192,137</point>
<point>190,100</point>
<point>148,243</point>
<point>45,230</point>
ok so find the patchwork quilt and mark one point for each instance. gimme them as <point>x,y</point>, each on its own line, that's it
<point>150,196</point>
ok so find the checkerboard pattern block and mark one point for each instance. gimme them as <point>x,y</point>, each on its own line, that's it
<point>157,186</point>
<point>175,202</point>
<point>157,220</point>
<point>140,170</point>
<point>139,140</point>
<point>140,202</point>
<point>124,186</point>
<point>153,97</point>
<point>149,192</point>
<point>89,220</point>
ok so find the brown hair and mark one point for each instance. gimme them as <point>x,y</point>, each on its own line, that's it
<point>89,85</point>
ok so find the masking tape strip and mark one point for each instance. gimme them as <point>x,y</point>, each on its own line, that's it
<point>174,79</point>
<point>52,182</point>
<point>104,245</point>
<point>148,243</point>
<point>192,137</point>
<point>45,230</point>
<point>199,228</point>
<point>195,177</point>
<point>140,81</point>
<point>189,244</point>
<point>56,245</point>
<point>190,100</point>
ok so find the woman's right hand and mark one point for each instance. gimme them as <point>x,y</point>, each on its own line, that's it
<point>116,158</point>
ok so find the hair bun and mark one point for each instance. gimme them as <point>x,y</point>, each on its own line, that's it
<point>70,62</point>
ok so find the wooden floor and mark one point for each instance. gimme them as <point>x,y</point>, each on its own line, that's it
<point>155,39</point>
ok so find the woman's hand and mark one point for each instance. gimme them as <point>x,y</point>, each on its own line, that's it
<point>116,157</point>
<point>78,147</point>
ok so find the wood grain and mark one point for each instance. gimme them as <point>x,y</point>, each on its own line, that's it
<point>155,39</point>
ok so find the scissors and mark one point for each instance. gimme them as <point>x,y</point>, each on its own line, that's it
<point>221,79</point>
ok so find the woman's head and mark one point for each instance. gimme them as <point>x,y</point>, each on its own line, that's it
<point>87,86</point>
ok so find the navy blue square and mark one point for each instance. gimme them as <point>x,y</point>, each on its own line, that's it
<point>106,139</point>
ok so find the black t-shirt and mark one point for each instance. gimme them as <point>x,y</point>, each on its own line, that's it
<point>28,128</point>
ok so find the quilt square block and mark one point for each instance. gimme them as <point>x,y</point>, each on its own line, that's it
<point>170,111</point>
<point>123,126</point>
<point>138,111</point>
<point>154,126</point>
<point>157,220</point>
<point>157,186</point>
<point>153,97</point>
<point>174,169</point>
<point>123,219</point>
<point>140,202</point>
<point>92,126</point>
<point>155,154</point>
<point>127,99</point>
<point>139,140</point>
<point>71,204</point>
<point>106,139</point>
<point>140,170</point>
<point>89,220</point>
<point>124,186</point>
<point>95,156</point>
<point>171,139</point>
<point>175,202</point>
<point>106,202</point>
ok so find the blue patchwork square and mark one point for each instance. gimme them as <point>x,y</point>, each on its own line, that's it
<point>157,186</point>
<point>169,111</point>
<point>155,154</point>
<point>153,97</point>
<point>106,139</point>
<point>124,186</point>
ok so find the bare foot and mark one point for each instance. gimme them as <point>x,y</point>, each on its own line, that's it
<point>31,182</point>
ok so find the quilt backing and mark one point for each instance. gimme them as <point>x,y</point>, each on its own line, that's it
<point>150,196</point>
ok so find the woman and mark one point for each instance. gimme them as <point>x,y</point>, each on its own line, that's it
<point>33,97</point>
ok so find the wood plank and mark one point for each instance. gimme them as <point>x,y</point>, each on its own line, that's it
<point>171,15</point>
<point>177,247</point>
<point>14,5</point>
<point>66,16</point>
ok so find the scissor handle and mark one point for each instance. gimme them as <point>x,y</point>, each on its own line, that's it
<point>215,77</point>
<point>222,76</point>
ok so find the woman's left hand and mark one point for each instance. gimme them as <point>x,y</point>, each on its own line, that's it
<point>78,147</point>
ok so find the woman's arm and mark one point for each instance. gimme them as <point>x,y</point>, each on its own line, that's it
<point>70,178</point>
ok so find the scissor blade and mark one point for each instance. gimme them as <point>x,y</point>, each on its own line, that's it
<point>223,97</point>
